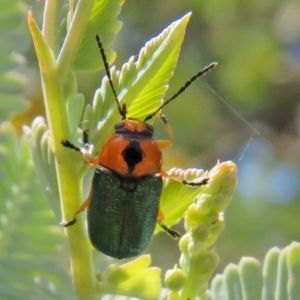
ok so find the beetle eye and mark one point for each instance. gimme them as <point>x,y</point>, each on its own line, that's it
<point>149,128</point>
<point>119,126</point>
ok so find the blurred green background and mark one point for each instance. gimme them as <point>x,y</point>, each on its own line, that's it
<point>246,110</point>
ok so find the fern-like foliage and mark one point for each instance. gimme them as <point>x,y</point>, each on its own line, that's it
<point>30,240</point>
<point>277,279</point>
<point>11,82</point>
<point>38,138</point>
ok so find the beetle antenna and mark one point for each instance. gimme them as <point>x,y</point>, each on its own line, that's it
<point>122,110</point>
<point>182,89</point>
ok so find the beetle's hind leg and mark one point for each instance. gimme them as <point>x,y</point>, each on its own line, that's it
<point>161,219</point>
<point>173,233</point>
<point>85,151</point>
<point>85,204</point>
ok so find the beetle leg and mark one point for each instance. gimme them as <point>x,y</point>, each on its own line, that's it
<point>81,209</point>
<point>85,151</point>
<point>160,220</point>
<point>199,182</point>
<point>166,143</point>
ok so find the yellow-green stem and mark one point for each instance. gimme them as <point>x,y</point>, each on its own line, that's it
<point>69,181</point>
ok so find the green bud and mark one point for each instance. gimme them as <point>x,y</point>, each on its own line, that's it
<point>192,217</point>
<point>175,279</point>
<point>195,247</point>
<point>208,262</point>
<point>205,203</point>
<point>200,232</point>
<point>174,295</point>
<point>184,243</point>
<point>228,176</point>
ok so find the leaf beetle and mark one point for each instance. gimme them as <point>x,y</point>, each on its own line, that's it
<point>123,204</point>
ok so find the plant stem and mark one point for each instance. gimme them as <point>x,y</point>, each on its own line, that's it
<point>69,181</point>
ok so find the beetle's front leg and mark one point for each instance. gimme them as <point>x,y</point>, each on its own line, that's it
<point>199,182</point>
<point>85,151</point>
<point>162,144</point>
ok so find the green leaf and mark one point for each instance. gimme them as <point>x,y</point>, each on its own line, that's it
<point>134,278</point>
<point>251,278</point>
<point>232,282</point>
<point>270,274</point>
<point>282,276</point>
<point>43,50</point>
<point>102,21</point>
<point>218,288</point>
<point>177,197</point>
<point>293,261</point>
<point>155,65</point>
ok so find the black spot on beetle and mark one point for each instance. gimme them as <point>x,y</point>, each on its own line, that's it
<point>133,154</point>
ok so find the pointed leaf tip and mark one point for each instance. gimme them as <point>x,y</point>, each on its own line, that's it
<point>187,16</point>
<point>30,18</point>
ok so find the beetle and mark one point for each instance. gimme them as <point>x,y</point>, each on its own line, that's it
<point>123,204</point>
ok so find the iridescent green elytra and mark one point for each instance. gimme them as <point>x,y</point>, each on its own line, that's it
<point>122,213</point>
